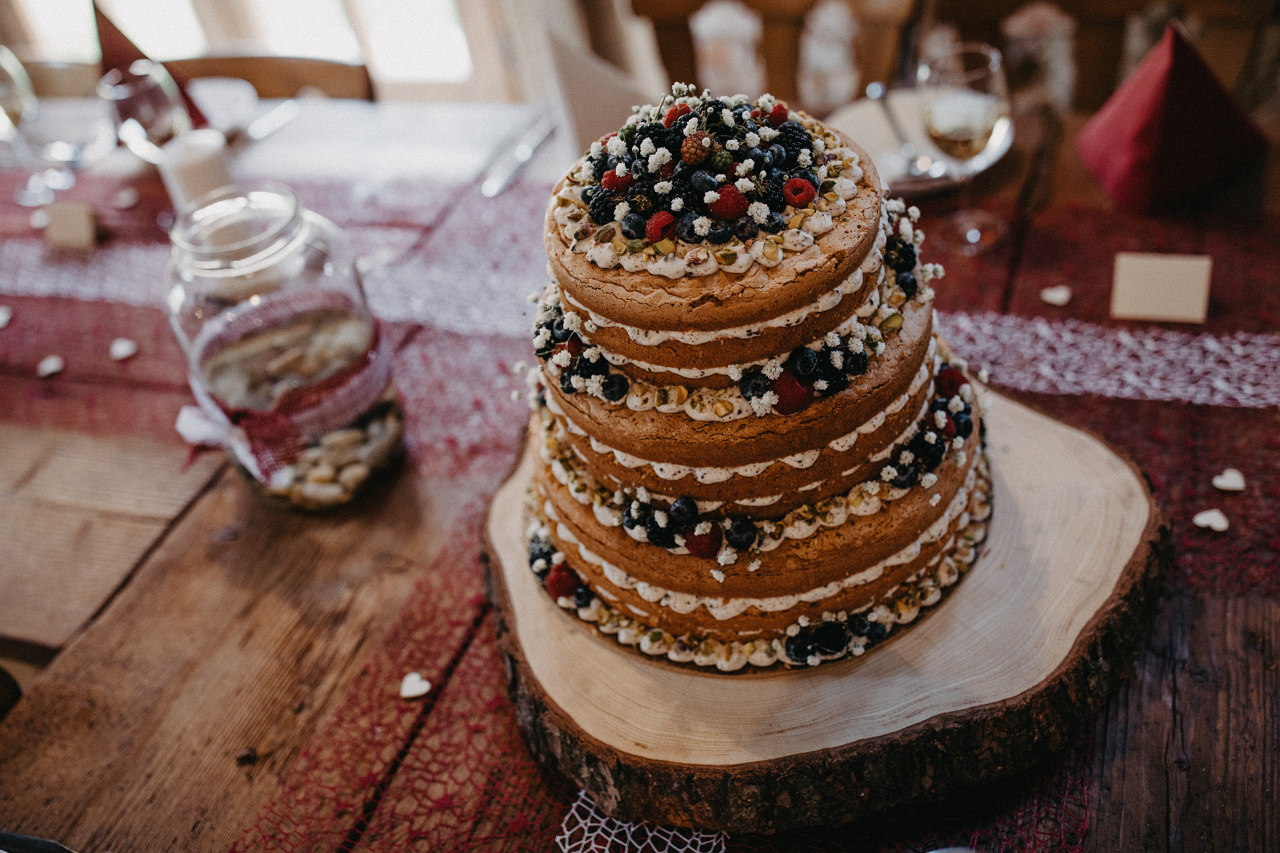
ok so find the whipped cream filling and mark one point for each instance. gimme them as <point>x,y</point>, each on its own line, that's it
<point>721,608</point>
<point>708,475</point>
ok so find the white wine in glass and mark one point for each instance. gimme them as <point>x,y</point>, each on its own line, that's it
<point>966,105</point>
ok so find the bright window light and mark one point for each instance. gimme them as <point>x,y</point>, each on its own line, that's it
<point>63,29</point>
<point>314,28</point>
<point>161,30</point>
<point>415,41</point>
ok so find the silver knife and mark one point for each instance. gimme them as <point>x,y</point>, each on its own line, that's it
<point>503,172</point>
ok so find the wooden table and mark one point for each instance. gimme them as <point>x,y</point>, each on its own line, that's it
<point>178,689</point>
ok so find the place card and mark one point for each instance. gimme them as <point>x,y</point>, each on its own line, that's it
<point>1167,288</point>
<point>70,225</point>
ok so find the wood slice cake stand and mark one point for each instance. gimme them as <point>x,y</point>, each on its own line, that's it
<point>1002,674</point>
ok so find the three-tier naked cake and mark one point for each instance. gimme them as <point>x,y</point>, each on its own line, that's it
<point>753,447</point>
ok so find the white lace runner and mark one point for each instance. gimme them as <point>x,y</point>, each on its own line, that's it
<point>1072,357</point>
<point>586,830</point>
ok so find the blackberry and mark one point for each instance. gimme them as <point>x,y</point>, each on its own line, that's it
<point>837,380</point>
<point>663,537</point>
<point>793,137</point>
<point>803,362</point>
<point>541,549</point>
<point>770,191</point>
<point>899,255</point>
<point>858,624</point>
<point>655,132</point>
<point>742,532</point>
<point>964,424</point>
<point>830,638</point>
<point>586,368</point>
<point>640,518</point>
<point>745,228</point>
<point>928,454</point>
<point>907,282</point>
<point>683,512</point>
<point>633,226</point>
<point>602,205</point>
<point>876,632</point>
<point>855,363</point>
<point>615,387</point>
<point>583,596</point>
<point>754,384</point>
<point>800,647</point>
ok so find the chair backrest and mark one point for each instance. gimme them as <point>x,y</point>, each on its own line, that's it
<point>281,76</point>
<point>63,79</point>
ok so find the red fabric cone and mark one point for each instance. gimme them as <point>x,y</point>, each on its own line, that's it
<point>119,52</point>
<point>1168,132</point>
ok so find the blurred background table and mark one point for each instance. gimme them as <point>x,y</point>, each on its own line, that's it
<point>205,671</point>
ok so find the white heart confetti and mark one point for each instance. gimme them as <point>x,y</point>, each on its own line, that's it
<point>125,199</point>
<point>50,365</point>
<point>1212,519</point>
<point>413,685</point>
<point>1058,296</point>
<point>1229,480</point>
<point>122,348</point>
<point>6,314</point>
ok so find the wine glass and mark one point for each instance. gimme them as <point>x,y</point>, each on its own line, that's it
<point>147,105</point>
<point>966,104</point>
<point>16,95</point>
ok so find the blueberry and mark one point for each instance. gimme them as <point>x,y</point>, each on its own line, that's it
<point>720,233</point>
<point>540,549</point>
<point>778,153</point>
<point>741,533</point>
<point>559,333</point>
<point>876,632</point>
<point>928,454</point>
<point>758,155</point>
<point>633,226</point>
<point>615,387</point>
<point>774,222</point>
<point>855,363</point>
<point>638,518</point>
<point>858,624</point>
<point>803,363</point>
<point>745,228</point>
<point>588,191</point>
<point>837,380</point>
<point>683,512</point>
<point>907,477</point>
<point>899,255</point>
<point>663,537</point>
<point>566,382</point>
<point>754,384</point>
<point>907,281</point>
<point>830,638</point>
<point>638,169</point>
<point>808,176</point>
<point>685,228</point>
<point>964,424</point>
<point>703,181</point>
<point>582,596</point>
<point>940,404</point>
<point>800,647</point>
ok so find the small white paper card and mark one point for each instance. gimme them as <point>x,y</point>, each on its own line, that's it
<point>1166,288</point>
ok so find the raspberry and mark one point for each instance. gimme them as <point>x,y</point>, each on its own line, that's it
<point>704,545</point>
<point>661,226</point>
<point>778,115</point>
<point>798,192</point>
<point>948,429</point>
<point>617,183</point>
<point>562,581</point>
<point>675,113</point>
<point>792,396</point>
<point>731,203</point>
<point>949,382</point>
<point>694,148</point>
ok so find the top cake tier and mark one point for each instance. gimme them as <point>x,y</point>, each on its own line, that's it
<point>708,214</point>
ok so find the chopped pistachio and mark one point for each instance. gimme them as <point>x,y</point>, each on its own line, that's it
<point>634,246</point>
<point>796,221</point>
<point>826,187</point>
<point>772,251</point>
<point>664,247</point>
<point>607,233</point>
<point>722,408</point>
<point>897,298</point>
<point>680,394</point>
<point>620,245</point>
<point>891,323</point>
<point>726,257</point>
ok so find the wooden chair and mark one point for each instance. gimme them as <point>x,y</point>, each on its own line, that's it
<point>281,76</point>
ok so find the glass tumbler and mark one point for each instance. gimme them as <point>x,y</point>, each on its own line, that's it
<point>287,365</point>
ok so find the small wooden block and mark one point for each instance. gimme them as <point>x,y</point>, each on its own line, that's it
<point>72,225</point>
<point>1008,669</point>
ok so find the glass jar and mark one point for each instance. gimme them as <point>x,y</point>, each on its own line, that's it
<point>286,362</point>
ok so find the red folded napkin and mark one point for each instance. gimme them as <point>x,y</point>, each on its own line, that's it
<point>119,52</point>
<point>1168,132</point>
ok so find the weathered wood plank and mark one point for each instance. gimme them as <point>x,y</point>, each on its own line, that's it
<point>1188,753</point>
<point>241,630</point>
